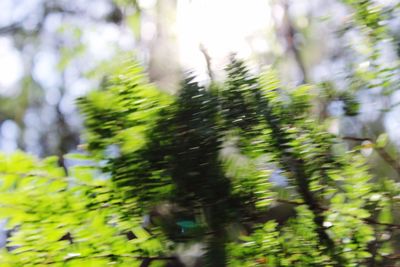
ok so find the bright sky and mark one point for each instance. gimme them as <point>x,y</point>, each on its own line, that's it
<point>222,27</point>
<point>10,65</point>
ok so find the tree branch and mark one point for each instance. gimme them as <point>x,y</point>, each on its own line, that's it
<point>147,259</point>
<point>208,62</point>
<point>366,220</point>
<point>290,34</point>
<point>10,28</point>
<point>381,151</point>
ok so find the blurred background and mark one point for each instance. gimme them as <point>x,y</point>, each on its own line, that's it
<point>52,52</point>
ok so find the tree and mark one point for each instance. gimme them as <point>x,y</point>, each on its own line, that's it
<point>199,166</point>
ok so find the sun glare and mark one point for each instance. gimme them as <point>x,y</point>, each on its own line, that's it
<point>222,27</point>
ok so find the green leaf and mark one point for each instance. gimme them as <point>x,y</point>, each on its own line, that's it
<point>382,140</point>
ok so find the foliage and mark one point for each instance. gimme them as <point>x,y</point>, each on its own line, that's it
<point>200,166</point>
<point>243,167</point>
<point>63,220</point>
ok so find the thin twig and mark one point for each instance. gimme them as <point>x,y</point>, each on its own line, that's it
<point>290,34</point>
<point>381,151</point>
<point>366,220</point>
<point>208,62</point>
<point>10,28</point>
<point>116,256</point>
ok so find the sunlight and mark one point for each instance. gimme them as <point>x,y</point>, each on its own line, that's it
<point>222,27</point>
<point>10,66</point>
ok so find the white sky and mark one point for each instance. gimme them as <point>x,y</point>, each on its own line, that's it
<point>222,26</point>
<point>11,69</point>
